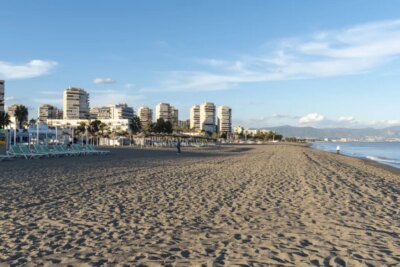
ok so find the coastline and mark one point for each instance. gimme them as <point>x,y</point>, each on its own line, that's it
<point>371,162</point>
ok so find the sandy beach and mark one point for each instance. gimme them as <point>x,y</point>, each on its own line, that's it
<point>272,205</point>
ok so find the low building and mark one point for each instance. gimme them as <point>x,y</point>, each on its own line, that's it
<point>62,123</point>
<point>113,125</point>
<point>184,124</point>
<point>112,112</point>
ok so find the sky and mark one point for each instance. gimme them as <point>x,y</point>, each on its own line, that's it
<point>301,63</point>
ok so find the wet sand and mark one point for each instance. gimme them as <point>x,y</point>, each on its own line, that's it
<point>272,205</point>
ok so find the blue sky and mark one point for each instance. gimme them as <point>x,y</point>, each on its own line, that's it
<point>303,63</point>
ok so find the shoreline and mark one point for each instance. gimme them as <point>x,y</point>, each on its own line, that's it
<point>368,161</point>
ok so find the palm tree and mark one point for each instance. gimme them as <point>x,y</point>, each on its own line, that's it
<point>21,114</point>
<point>4,119</point>
<point>82,127</point>
<point>102,127</point>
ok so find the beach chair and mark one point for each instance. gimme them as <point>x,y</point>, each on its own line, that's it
<point>94,150</point>
<point>63,149</point>
<point>38,150</point>
<point>30,154</point>
<point>46,150</point>
<point>15,151</point>
<point>79,149</point>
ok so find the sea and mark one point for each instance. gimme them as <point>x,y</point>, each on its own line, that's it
<point>383,152</point>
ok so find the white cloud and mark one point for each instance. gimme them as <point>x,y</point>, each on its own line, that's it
<point>311,118</point>
<point>8,98</point>
<point>314,120</point>
<point>34,68</point>
<point>354,50</point>
<point>103,81</point>
<point>346,118</point>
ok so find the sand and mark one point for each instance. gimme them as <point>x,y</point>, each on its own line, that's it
<point>272,205</point>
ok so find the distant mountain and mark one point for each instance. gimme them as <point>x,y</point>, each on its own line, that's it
<point>335,133</point>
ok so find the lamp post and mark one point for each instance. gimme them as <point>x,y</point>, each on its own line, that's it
<point>86,132</point>
<point>37,132</point>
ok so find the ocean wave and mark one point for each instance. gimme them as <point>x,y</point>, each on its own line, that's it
<point>384,160</point>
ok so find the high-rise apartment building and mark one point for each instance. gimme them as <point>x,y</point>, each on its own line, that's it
<point>2,96</point>
<point>173,116</point>
<point>76,104</point>
<point>46,112</point>
<point>145,116</point>
<point>163,111</point>
<point>224,119</point>
<point>207,117</point>
<point>168,113</point>
<point>195,117</point>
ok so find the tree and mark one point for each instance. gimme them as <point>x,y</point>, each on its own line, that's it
<point>102,127</point>
<point>21,114</point>
<point>4,119</point>
<point>136,125</point>
<point>162,126</point>
<point>94,126</point>
<point>223,136</point>
<point>32,122</point>
<point>82,127</point>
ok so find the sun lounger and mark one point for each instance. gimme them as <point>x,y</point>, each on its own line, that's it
<point>21,151</point>
<point>15,151</point>
<point>78,148</point>
<point>38,150</point>
<point>32,154</point>
<point>63,149</point>
<point>94,150</point>
<point>46,150</point>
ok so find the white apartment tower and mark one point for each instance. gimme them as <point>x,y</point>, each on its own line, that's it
<point>207,117</point>
<point>46,112</point>
<point>163,111</point>
<point>76,104</point>
<point>145,116</point>
<point>2,96</point>
<point>195,117</point>
<point>224,119</point>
